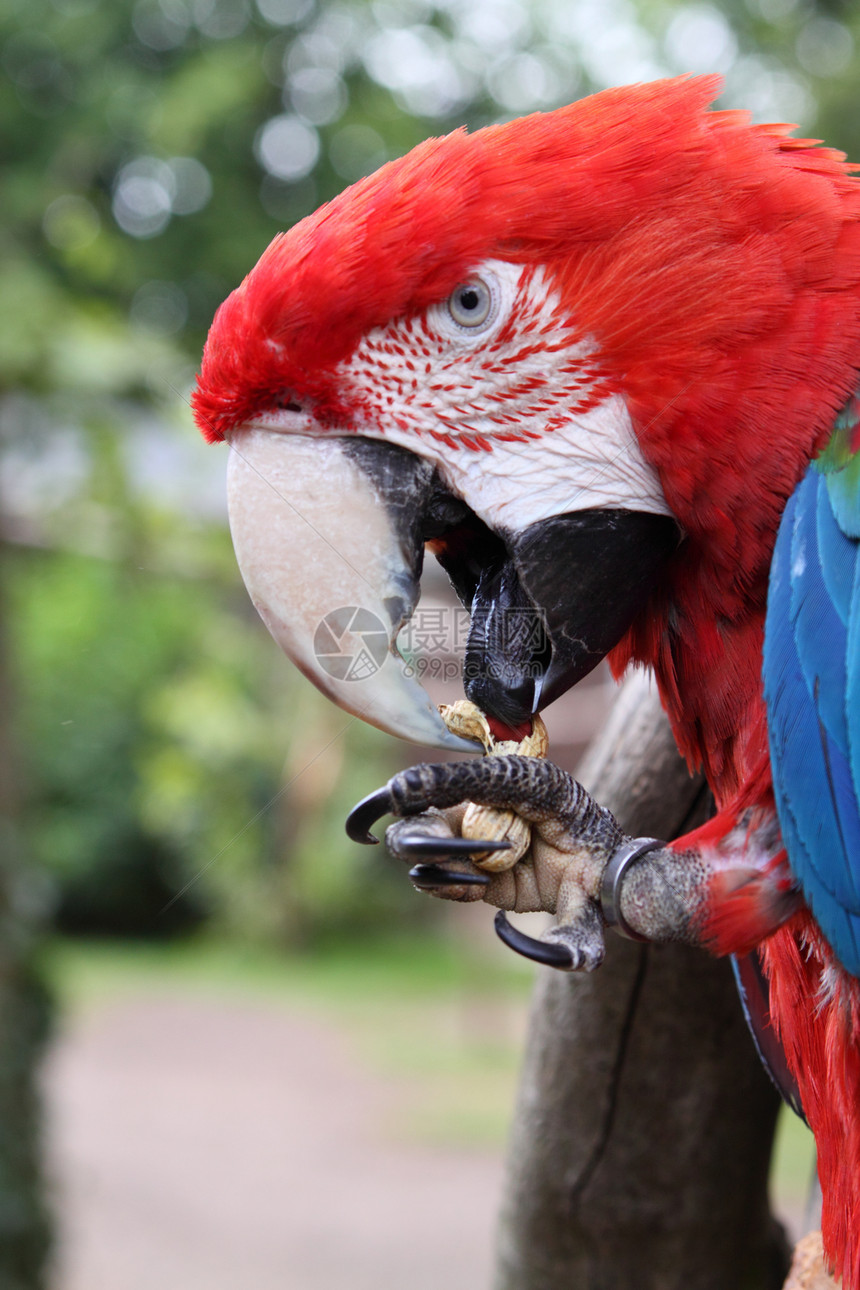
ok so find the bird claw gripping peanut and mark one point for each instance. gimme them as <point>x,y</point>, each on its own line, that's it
<point>513,829</point>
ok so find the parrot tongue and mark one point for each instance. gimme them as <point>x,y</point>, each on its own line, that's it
<point>503,733</point>
<point>326,536</point>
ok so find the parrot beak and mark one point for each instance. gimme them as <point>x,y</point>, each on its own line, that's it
<point>327,536</point>
<point>548,603</point>
<point>330,532</point>
<point>588,574</point>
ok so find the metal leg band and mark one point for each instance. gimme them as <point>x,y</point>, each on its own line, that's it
<point>610,883</point>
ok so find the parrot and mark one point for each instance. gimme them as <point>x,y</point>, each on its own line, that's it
<point>603,362</point>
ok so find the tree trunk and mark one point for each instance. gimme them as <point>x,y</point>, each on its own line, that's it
<point>643,1131</point>
<point>24,1228</point>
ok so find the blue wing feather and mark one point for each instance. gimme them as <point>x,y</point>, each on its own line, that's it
<point>811,827</point>
<point>837,568</point>
<point>852,683</point>
<point>812,690</point>
<point>819,631</point>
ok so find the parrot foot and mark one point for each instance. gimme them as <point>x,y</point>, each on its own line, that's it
<point>569,947</point>
<point>571,839</point>
<point>579,865</point>
<point>726,894</point>
<point>449,873</point>
<point>365,814</point>
<point>413,845</point>
<point>432,877</point>
<point>537,790</point>
<point>539,951</point>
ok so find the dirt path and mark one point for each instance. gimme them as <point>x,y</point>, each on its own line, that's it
<point>202,1145</point>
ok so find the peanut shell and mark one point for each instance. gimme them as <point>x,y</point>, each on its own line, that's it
<point>492,822</point>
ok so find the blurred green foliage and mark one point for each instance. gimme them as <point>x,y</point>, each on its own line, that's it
<point>155,715</point>
<point>177,769</point>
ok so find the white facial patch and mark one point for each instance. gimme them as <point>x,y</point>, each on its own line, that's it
<point>591,460</point>
<point>511,411</point>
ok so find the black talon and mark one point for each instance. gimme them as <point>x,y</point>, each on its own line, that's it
<point>420,844</point>
<point>555,956</point>
<point>428,876</point>
<point>367,812</point>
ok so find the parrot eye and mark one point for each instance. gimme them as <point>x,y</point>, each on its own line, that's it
<point>470,303</point>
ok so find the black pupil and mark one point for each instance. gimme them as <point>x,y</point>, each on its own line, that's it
<point>469,298</point>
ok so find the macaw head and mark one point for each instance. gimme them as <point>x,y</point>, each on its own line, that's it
<point>583,356</point>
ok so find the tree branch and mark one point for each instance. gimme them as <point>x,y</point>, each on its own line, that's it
<point>643,1131</point>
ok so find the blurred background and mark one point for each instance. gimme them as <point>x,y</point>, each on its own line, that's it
<point>264,1059</point>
